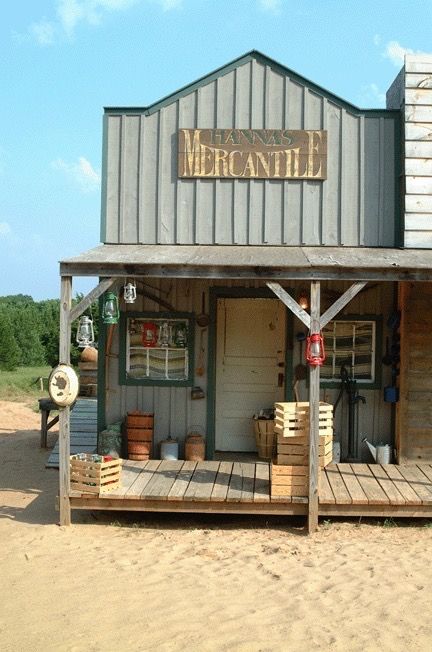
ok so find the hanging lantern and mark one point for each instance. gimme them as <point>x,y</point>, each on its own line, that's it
<point>110,310</point>
<point>129,292</point>
<point>85,332</point>
<point>315,353</point>
<point>303,299</point>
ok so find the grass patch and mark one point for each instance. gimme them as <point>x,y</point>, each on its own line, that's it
<point>22,384</point>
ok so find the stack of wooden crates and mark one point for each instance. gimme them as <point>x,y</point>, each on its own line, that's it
<point>290,470</point>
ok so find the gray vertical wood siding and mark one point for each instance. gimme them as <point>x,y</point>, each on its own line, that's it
<point>145,202</point>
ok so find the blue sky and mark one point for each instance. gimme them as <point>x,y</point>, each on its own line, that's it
<point>62,61</point>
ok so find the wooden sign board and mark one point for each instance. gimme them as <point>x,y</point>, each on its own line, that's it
<point>252,154</point>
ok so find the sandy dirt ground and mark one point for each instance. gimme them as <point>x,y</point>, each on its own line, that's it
<point>203,583</point>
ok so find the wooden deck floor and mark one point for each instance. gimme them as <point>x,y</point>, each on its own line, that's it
<point>83,430</point>
<point>240,487</point>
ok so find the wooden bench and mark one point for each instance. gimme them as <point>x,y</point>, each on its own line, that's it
<point>45,407</point>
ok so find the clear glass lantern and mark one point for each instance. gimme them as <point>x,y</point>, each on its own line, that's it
<point>129,292</point>
<point>85,332</point>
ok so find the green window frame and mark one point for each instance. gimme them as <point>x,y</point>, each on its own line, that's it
<point>356,341</point>
<point>169,361</point>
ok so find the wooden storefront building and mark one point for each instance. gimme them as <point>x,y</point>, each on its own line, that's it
<point>231,198</point>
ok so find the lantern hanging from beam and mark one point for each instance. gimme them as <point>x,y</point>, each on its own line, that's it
<point>129,292</point>
<point>110,309</point>
<point>315,352</point>
<point>85,332</point>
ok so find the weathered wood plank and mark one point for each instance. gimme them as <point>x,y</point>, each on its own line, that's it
<point>248,473</point>
<point>337,485</point>
<point>262,483</point>
<point>201,484</point>
<point>418,149</point>
<point>418,204</point>
<point>64,414</point>
<point>404,488</point>
<point>418,80</point>
<point>340,303</point>
<point>221,484</point>
<point>129,474</point>
<point>418,167</point>
<point>92,296</point>
<point>147,470</point>
<point>290,303</point>
<point>418,239</point>
<point>358,496</point>
<point>418,481</point>
<point>181,483</point>
<point>163,479</point>
<point>419,96</point>
<point>390,489</point>
<point>418,131</point>
<point>370,486</point>
<point>418,185</point>
<point>236,484</point>
<point>417,113</point>
<point>326,495</point>
<point>314,400</point>
<point>427,470</point>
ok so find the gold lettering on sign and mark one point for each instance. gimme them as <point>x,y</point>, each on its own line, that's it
<point>252,153</point>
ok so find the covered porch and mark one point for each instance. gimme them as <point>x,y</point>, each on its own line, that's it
<point>240,487</point>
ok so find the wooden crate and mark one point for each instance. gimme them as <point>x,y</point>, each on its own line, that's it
<point>288,480</point>
<point>90,476</point>
<point>295,450</point>
<point>292,419</point>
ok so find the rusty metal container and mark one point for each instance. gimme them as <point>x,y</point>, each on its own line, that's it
<point>195,447</point>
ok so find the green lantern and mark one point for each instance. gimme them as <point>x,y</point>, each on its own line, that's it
<point>110,310</point>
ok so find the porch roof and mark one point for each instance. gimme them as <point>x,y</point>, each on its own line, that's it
<point>241,261</point>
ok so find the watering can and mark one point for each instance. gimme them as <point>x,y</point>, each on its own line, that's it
<point>381,452</point>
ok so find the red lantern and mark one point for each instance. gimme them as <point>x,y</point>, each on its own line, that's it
<point>149,334</point>
<point>315,353</point>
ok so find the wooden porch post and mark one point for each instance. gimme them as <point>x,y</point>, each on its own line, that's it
<point>314,386</point>
<point>64,413</point>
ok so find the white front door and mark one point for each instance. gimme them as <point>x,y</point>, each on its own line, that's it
<point>250,353</point>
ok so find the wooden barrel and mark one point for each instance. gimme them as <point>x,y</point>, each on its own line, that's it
<point>139,434</point>
<point>140,420</point>
<point>139,429</point>
<point>139,450</point>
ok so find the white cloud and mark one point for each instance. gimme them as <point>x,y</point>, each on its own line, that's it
<point>5,229</point>
<point>72,13</point>
<point>396,53</point>
<point>272,6</point>
<point>81,173</point>
<point>43,32</point>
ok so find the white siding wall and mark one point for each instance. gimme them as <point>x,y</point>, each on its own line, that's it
<point>418,151</point>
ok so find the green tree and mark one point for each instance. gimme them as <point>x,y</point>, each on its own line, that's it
<point>49,313</point>
<point>9,349</point>
<point>28,335</point>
